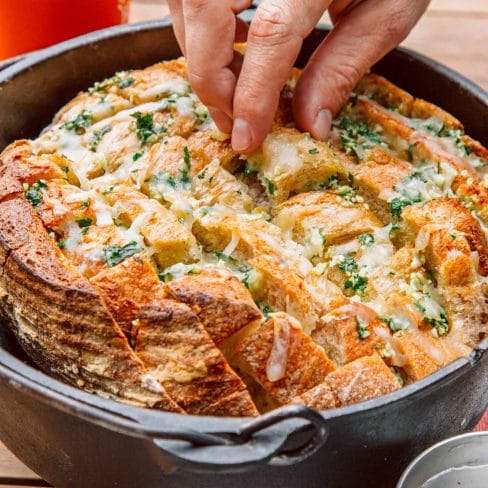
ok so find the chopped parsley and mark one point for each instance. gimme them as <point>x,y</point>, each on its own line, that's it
<point>80,123</point>
<point>125,82</point>
<point>108,190</point>
<point>456,136</point>
<point>397,375</point>
<point>271,187</point>
<point>441,324</point>
<point>397,205</point>
<point>394,229</point>
<point>144,127</point>
<point>366,239</point>
<point>98,136</point>
<point>356,283</point>
<point>62,244</point>
<point>85,204</point>
<point>349,264</point>
<point>362,328</point>
<point>84,225</point>
<point>357,137</point>
<point>185,172</point>
<point>137,155</point>
<point>321,234</point>
<point>332,182</point>
<point>113,255</point>
<point>313,151</point>
<point>202,174</point>
<point>102,86</point>
<point>33,193</point>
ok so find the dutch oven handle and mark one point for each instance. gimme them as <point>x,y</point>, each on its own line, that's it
<point>280,438</point>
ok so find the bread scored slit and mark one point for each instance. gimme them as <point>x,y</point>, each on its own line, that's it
<point>282,358</point>
<point>176,349</point>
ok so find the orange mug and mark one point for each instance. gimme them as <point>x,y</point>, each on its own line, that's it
<point>26,25</point>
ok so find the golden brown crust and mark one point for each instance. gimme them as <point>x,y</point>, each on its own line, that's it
<point>128,286</point>
<point>385,93</point>
<point>59,317</point>
<point>358,381</point>
<point>174,346</point>
<point>453,215</point>
<point>282,359</point>
<point>418,363</point>
<point>222,303</point>
<point>349,332</point>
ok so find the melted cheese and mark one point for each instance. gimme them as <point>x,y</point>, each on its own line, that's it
<point>278,358</point>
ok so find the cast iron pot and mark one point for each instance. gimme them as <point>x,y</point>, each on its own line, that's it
<point>73,439</point>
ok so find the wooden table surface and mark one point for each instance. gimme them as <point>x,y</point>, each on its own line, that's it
<point>453,32</point>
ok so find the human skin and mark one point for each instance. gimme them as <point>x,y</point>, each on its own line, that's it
<point>242,94</point>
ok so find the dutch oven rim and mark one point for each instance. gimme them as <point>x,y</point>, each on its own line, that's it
<point>77,402</point>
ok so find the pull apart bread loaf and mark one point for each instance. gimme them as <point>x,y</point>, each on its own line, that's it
<point>143,260</point>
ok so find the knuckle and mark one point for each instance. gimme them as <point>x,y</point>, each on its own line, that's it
<point>272,22</point>
<point>197,81</point>
<point>345,79</point>
<point>195,8</point>
<point>397,24</point>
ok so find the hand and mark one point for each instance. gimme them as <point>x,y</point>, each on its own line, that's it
<point>242,95</point>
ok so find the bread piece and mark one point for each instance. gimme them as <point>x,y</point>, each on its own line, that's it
<point>216,186</point>
<point>416,349</point>
<point>365,378</point>
<point>385,93</point>
<point>290,161</point>
<point>60,319</point>
<point>170,240</point>
<point>455,217</point>
<point>391,96</point>
<point>175,348</point>
<point>320,397</point>
<point>128,286</point>
<point>316,219</point>
<point>282,359</point>
<point>62,203</point>
<point>349,332</point>
<point>100,104</point>
<point>219,299</point>
<point>157,82</point>
<point>376,179</point>
<point>19,167</point>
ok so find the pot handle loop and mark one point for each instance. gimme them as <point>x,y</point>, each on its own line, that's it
<point>279,438</point>
<point>285,458</point>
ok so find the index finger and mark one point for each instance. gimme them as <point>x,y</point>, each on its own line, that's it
<point>274,41</point>
<point>210,27</point>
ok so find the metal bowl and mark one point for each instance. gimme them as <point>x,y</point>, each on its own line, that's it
<point>461,461</point>
<point>74,439</point>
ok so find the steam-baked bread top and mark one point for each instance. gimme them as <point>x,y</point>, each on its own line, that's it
<point>145,261</point>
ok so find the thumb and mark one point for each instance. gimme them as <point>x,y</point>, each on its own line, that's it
<point>361,37</point>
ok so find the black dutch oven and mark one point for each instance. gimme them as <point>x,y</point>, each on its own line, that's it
<point>73,439</point>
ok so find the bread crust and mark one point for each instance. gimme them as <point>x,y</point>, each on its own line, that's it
<point>175,347</point>
<point>60,318</point>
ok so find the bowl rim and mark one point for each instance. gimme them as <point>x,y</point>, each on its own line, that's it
<point>50,390</point>
<point>430,450</point>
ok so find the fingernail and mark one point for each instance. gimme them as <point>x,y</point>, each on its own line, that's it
<point>241,135</point>
<point>321,125</point>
